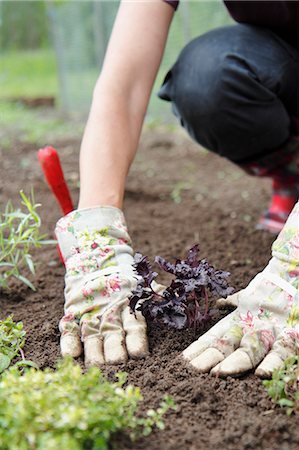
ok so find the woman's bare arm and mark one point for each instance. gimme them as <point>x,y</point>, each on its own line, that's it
<point>120,100</point>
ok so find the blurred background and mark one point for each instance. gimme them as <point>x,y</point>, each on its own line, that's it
<point>51,54</point>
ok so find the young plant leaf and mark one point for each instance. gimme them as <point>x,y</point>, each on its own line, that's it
<point>66,409</point>
<point>26,363</point>
<point>19,234</point>
<point>185,303</point>
<point>283,388</point>
<point>26,281</point>
<point>4,362</point>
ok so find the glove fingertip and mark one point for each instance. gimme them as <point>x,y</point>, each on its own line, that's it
<point>115,349</point>
<point>231,301</point>
<point>271,362</point>
<point>93,351</point>
<point>137,345</point>
<point>236,364</point>
<point>70,345</point>
<point>207,360</point>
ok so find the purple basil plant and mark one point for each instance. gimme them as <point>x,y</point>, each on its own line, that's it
<point>185,303</point>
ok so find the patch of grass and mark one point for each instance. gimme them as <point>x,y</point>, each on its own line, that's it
<point>179,188</point>
<point>35,126</point>
<point>31,74</point>
<point>28,74</point>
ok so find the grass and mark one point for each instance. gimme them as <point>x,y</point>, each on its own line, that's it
<point>35,126</point>
<point>28,74</point>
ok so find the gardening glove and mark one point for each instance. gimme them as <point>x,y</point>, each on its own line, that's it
<point>264,329</point>
<point>98,256</point>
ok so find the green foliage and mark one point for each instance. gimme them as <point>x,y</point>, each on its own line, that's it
<point>23,24</point>
<point>29,126</point>
<point>30,73</point>
<point>178,189</point>
<point>68,410</point>
<point>12,340</point>
<point>19,234</point>
<point>283,388</point>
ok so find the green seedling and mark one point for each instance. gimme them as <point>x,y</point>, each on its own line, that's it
<point>66,409</point>
<point>283,388</point>
<point>19,234</point>
<point>178,189</point>
<point>12,340</point>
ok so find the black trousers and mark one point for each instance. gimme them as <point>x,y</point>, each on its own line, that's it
<point>235,89</point>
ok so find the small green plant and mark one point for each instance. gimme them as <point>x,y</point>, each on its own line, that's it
<point>65,409</point>
<point>283,388</point>
<point>178,189</point>
<point>12,340</point>
<point>19,234</point>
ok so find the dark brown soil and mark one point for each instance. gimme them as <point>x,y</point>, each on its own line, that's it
<point>219,208</point>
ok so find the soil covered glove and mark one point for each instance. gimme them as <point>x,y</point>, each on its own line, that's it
<point>264,329</point>
<point>98,256</point>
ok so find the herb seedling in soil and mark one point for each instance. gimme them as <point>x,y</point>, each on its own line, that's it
<point>65,409</point>
<point>12,340</point>
<point>283,388</point>
<point>19,234</point>
<point>185,303</point>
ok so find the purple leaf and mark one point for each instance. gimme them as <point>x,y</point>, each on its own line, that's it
<point>165,265</point>
<point>144,269</point>
<point>185,302</point>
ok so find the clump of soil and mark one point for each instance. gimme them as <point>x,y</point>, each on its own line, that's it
<point>218,208</point>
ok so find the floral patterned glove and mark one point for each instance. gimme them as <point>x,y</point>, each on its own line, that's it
<point>264,329</point>
<point>99,278</point>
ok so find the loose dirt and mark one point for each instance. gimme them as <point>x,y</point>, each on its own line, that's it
<point>177,195</point>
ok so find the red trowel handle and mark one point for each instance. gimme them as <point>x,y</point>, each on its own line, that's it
<point>49,160</point>
<point>50,163</point>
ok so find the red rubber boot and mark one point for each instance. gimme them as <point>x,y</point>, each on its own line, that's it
<point>283,167</point>
<point>284,198</point>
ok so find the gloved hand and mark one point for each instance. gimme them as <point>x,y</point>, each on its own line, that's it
<point>264,329</point>
<point>98,256</point>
